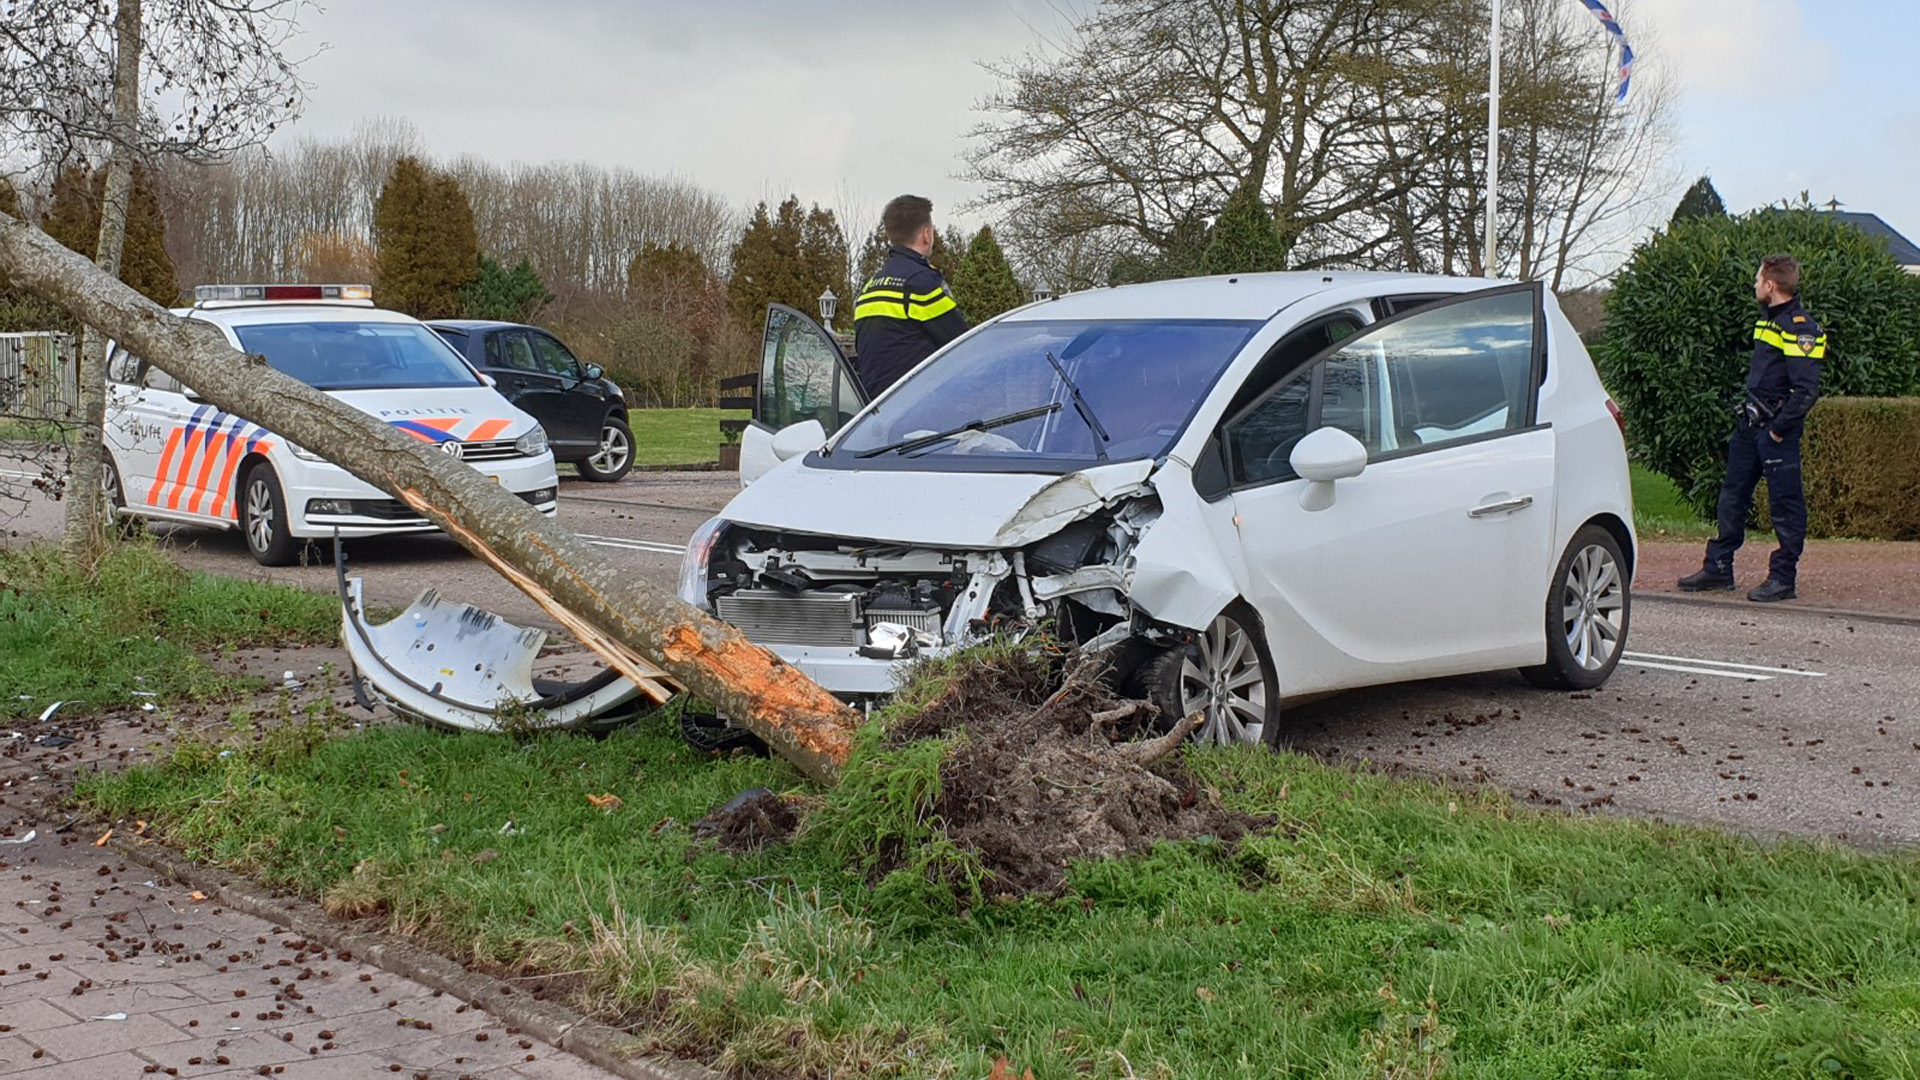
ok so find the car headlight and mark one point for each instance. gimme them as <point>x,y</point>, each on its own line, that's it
<point>614,388</point>
<point>533,443</point>
<point>303,453</point>
<point>693,569</point>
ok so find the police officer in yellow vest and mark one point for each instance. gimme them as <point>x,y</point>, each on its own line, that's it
<point>1783,382</point>
<point>905,311</point>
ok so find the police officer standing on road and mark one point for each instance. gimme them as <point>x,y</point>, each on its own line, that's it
<point>1782,384</point>
<point>905,311</point>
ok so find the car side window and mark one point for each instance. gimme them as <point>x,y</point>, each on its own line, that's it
<point>1460,370</point>
<point>1261,440</point>
<point>125,367</point>
<point>516,351</point>
<point>553,358</point>
<point>155,379</point>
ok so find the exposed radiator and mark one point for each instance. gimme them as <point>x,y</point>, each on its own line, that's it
<point>774,618</point>
<point>924,621</point>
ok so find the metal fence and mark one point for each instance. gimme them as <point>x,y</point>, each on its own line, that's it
<point>38,376</point>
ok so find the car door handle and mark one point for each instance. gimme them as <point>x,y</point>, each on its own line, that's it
<point>1504,506</point>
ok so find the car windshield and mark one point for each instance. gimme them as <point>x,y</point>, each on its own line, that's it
<point>1139,383</point>
<point>358,355</point>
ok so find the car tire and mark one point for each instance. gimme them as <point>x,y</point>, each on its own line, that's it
<point>113,495</point>
<point>614,457</point>
<point>263,519</point>
<point>1231,652</point>
<point>1588,611</point>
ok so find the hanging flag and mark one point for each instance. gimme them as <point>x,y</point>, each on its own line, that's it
<point>1626,51</point>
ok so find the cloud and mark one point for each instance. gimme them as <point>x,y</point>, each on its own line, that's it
<point>1735,48</point>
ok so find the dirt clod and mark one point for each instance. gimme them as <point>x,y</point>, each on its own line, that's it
<point>749,821</point>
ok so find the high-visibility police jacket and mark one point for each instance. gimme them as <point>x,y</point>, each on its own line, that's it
<point>1788,347</point>
<point>904,313</point>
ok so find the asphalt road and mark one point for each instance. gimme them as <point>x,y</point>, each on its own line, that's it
<point>1763,720</point>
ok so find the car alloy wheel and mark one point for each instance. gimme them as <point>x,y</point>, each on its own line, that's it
<point>1225,673</point>
<point>1589,610</point>
<point>263,519</point>
<point>260,511</point>
<point>614,456</point>
<point>1593,603</point>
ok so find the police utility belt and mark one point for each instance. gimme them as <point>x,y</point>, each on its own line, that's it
<point>1752,412</point>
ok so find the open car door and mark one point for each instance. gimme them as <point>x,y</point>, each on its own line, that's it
<point>803,376</point>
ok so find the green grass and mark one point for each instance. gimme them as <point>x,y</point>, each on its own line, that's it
<point>677,436</point>
<point>1381,927</point>
<point>136,623</point>
<point>1659,513</point>
<point>44,431</point>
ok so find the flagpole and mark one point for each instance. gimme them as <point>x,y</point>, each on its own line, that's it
<point>1493,142</point>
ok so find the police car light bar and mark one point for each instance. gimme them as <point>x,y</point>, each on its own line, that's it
<point>203,293</point>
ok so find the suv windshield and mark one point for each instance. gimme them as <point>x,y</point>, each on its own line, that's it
<point>358,356</point>
<point>1141,379</point>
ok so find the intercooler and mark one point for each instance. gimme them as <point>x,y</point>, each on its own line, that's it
<point>815,618</point>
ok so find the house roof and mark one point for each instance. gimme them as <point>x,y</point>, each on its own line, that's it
<point>1902,249</point>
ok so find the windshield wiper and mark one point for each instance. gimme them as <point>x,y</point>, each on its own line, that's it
<point>918,441</point>
<point>1080,406</point>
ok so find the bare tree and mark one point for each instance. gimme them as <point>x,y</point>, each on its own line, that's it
<point>215,80</point>
<point>1361,123</point>
<point>618,614</point>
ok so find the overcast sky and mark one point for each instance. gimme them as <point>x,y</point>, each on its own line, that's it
<point>847,103</point>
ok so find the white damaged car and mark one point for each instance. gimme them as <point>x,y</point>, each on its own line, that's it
<point>1252,488</point>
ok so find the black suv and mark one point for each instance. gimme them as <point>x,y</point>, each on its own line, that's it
<point>585,415</point>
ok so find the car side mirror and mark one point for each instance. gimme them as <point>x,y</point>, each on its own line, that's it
<point>593,371</point>
<point>488,379</point>
<point>1324,456</point>
<point>187,392</point>
<point>796,439</point>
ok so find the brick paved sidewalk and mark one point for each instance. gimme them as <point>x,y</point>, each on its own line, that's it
<point>108,972</point>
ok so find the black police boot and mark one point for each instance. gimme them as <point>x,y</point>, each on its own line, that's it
<point>1771,590</point>
<point>1707,579</point>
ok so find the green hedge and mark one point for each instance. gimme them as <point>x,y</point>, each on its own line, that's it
<point>1862,468</point>
<point>1680,331</point>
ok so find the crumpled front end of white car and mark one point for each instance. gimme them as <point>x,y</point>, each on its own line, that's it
<point>847,612</point>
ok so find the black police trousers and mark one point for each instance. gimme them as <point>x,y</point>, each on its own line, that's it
<point>1751,454</point>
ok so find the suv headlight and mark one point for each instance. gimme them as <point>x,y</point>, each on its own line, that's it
<point>693,570</point>
<point>303,453</point>
<point>533,443</point>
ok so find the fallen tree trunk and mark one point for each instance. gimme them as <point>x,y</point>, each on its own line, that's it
<point>613,612</point>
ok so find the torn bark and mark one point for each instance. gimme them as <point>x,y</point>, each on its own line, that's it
<point>615,613</point>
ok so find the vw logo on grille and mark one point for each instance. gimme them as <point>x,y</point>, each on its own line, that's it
<point>453,448</point>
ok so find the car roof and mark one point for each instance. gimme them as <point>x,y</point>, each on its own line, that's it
<point>271,314</point>
<point>1233,296</point>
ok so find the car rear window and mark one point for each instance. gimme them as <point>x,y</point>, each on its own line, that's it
<point>358,355</point>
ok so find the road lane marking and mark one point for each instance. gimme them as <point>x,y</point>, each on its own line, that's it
<point>1632,656</point>
<point>21,475</point>
<point>653,547</point>
<point>1746,676</point>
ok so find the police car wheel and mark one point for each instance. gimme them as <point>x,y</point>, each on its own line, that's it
<point>1588,611</point>
<point>263,519</point>
<point>614,456</point>
<point>113,499</point>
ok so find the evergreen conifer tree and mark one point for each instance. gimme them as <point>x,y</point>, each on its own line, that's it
<point>787,257</point>
<point>515,295</point>
<point>1701,200</point>
<point>74,220</point>
<point>427,249</point>
<point>1243,240</point>
<point>989,286</point>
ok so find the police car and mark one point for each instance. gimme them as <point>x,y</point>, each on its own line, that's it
<point>172,456</point>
